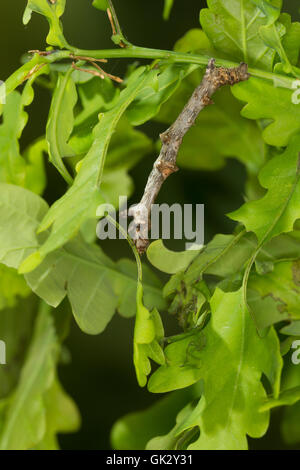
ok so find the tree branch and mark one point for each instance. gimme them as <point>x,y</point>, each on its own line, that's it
<point>165,164</point>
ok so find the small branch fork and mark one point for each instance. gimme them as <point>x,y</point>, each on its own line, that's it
<point>34,70</point>
<point>165,164</point>
<point>97,73</point>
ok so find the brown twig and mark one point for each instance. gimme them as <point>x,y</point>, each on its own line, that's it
<point>101,73</point>
<point>35,69</point>
<point>165,164</point>
<point>92,72</point>
<point>111,21</point>
<point>109,75</point>
<point>41,53</point>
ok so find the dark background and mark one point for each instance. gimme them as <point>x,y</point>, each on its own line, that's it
<point>101,377</point>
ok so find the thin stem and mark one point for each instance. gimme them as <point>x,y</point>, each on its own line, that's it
<point>97,73</point>
<point>131,243</point>
<point>135,52</point>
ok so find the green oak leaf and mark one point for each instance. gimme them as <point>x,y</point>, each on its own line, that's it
<point>95,96</point>
<point>286,398</point>
<point>293,329</point>
<point>178,438</point>
<point>290,419</point>
<point>148,332</point>
<point>272,37</point>
<point>169,261</point>
<point>223,256</point>
<point>270,9</point>
<point>285,247</point>
<point>12,286</point>
<point>291,40</point>
<point>231,358</point>
<point>275,105</point>
<point>273,33</point>
<point>35,178</point>
<point>20,214</point>
<point>234,27</point>
<point>274,295</point>
<point>135,430</point>
<point>26,170</point>
<point>277,211</point>
<point>148,102</point>
<point>195,40</point>
<point>13,167</point>
<point>52,11</point>
<point>24,417</point>
<point>95,285</point>
<point>213,258</point>
<point>285,40</point>
<point>127,147</point>
<point>61,121</point>
<point>16,331</point>
<point>62,416</point>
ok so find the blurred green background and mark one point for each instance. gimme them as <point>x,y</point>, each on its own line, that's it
<point>100,376</point>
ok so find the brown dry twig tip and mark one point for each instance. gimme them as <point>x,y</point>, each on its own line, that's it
<point>165,164</point>
<point>35,69</point>
<point>97,73</point>
<point>92,72</point>
<point>41,53</point>
<point>111,21</point>
<point>101,73</point>
<point>109,75</point>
